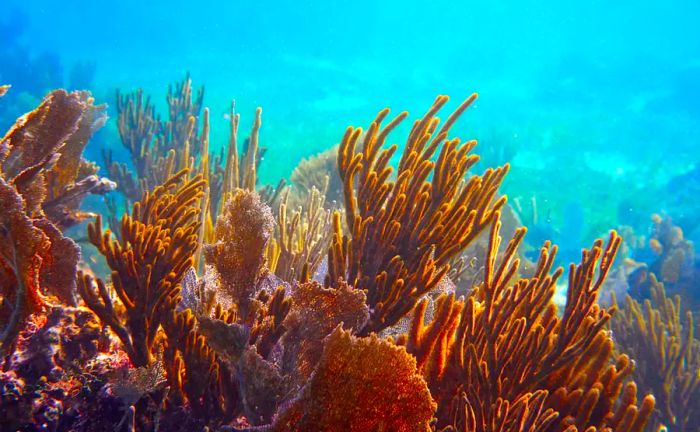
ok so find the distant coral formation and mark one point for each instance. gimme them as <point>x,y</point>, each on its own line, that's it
<point>229,306</point>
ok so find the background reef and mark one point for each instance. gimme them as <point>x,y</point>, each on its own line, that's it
<point>612,114</point>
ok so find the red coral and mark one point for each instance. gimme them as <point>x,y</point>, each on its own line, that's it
<point>361,384</point>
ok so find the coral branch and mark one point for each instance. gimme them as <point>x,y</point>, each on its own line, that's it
<point>405,232</point>
<point>156,247</point>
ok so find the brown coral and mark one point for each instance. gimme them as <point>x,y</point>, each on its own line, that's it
<point>242,232</point>
<point>156,247</point>
<point>380,390</point>
<point>41,156</point>
<point>403,233</point>
<point>666,353</point>
<point>41,186</point>
<point>195,373</point>
<point>157,148</point>
<point>21,244</point>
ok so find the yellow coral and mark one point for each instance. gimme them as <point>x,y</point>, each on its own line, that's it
<point>404,233</point>
<point>156,247</point>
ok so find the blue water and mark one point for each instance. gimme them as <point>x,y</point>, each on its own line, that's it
<point>596,104</point>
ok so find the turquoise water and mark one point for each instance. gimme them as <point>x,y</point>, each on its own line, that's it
<point>595,104</point>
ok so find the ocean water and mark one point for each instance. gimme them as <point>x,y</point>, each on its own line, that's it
<point>595,104</point>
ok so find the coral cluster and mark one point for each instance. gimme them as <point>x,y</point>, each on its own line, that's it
<point>662,341</point>
<point>669,256</point>
<point>43,179</point>
<point>222,314</point>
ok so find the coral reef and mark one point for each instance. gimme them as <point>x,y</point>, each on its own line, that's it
<point>670,257</point>
<point>220,315</point>
<point>661,340</point>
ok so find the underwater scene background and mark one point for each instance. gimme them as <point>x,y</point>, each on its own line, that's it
<point>170,263</point>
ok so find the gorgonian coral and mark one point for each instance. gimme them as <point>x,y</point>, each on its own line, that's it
<point>242,232</point>
<point>301,237</point>
<point>662,343</point>
<point>233,344</point>
<point>403,233</point>
<point>156,247</point>
<point>504,348</point>
<point>42,182</point>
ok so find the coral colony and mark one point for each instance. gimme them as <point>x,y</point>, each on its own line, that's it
<point>346,301</point>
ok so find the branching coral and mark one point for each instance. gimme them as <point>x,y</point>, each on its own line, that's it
<point>666,353</point>
<point>504,348</point>
<point>155,146</point>
<point>156,247</point>
<point>195,373</point>
<point>243,347</point>
<point>301,238</point>
<point>159,148</point>
<point>403,233</point>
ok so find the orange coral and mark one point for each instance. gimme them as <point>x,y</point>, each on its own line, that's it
<point>379,390</point>
<point>315,312</point>
<point>505,347</point>
<point>405,232</point>
<point>156,247</point>
<point>195,373</point>
<point>666,353</point>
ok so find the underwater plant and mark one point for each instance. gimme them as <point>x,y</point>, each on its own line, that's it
<point>233,317</point>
